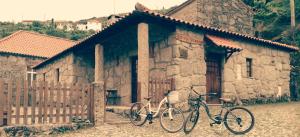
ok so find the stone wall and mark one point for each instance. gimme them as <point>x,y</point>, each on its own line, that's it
<point>73,68</point>
<point>117,64</point>
<point>232,15</point>
<point>117,75</point>
<point>271,72</point>
<point>271,68</point>
<point>15,67</point>
<point>188,64</point>
<point>65,66</point>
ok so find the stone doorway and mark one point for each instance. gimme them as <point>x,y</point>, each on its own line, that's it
<point>134,78</point>
<point>214,77</point>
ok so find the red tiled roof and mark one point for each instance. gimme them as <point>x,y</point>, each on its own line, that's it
<point>144,11</point>
<point>276,44</point>
<point>34,44</point>
<point>225,43</point>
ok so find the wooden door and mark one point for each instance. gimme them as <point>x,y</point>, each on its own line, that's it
<point>134,79</point>
<point>213,77</point>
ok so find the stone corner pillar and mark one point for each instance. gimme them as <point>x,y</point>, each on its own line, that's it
<point>143,59</point>
<point>98,87</point>
<point>99,103</point>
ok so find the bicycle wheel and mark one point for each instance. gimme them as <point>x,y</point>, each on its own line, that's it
<point>239,120</point>
<point>191,121</point>
<point>138,114</point>
<point>171,120</point>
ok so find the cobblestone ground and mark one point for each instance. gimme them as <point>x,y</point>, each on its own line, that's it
<point>276,120</point>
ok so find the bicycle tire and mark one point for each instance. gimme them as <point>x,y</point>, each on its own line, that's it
<point>239,132</point>
<point>134,117</point>
<point>192,118</point>
<point>178,118</point>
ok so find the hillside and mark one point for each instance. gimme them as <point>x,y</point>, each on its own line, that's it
<point>7,28</point>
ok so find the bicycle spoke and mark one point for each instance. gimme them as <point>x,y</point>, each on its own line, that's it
<point>191,121</point>
<point>239,120</point>
<point>172,120</point>
<point>138,114</point>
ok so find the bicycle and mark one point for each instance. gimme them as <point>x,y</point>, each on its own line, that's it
<point>171,119</point>
<point>230,118</point>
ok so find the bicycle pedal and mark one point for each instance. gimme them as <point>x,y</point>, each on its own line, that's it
<point>150,122</point>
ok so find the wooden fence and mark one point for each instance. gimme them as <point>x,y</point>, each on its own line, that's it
<point>44,103</point>
<point>157,88</point>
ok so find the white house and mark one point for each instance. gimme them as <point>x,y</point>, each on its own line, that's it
<point>64,25</point>
<point>94,25</point>
<point>82,26</point>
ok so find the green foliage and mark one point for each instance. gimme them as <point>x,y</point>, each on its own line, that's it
<point>266,100</point>
<point>20,131</point>
<point>272,19</point>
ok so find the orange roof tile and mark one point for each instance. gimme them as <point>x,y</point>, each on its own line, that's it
<point>140,9</point>
<point>34,44</point>
<point>222,42</point>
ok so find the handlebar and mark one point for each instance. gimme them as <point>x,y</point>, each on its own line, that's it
<point>209,94</point>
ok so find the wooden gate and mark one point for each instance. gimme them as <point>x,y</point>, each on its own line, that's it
<point>157,88</point>
<point>44,103</point>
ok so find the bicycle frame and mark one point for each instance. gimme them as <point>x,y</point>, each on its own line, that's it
<point>201,103</point>
<point>205,105</point>
<point>149,110</point>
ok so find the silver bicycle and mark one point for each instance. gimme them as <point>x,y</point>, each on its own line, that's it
<point>171,119</point>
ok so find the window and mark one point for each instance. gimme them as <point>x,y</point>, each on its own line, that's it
<point>249,67</point>
<point>31,75</point>
<point>57,74</point>
<point>183,53</point>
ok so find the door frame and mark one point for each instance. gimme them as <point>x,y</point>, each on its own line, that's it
<point>220,60</point>
<point>134,76</point>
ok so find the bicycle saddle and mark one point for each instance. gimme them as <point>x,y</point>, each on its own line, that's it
<point>226,100</point>
<point>147,98</point>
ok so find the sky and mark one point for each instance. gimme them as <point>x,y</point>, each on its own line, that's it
<point>18,10</point>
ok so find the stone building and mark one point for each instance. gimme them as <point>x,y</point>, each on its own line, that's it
<point>231,15</point>
<point>24,49</point>
<point>145,44</point>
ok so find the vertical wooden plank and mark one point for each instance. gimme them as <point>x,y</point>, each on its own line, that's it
<point>91,91</point>
<point>91,98</point>
<point>71,103</point>
<point>77,95</point>
<point>82,93</point>
<point>45,112</point>
<point>58,100</point>
<point>18,94</point>
<point>1,102</point>
<point>139,92</point>
<point>9,102</point>
<point>149,88</point>
<point>25,102</point>
<point>51,102</point>
<point>33,104</point>
<point>156,91</point>
<point>173,84</point>
<point>64,90</point>
<point>159,89</point>
<point>40,91</point>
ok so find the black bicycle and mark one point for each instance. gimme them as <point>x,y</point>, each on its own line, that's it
<point>237,120</point>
